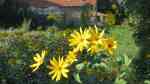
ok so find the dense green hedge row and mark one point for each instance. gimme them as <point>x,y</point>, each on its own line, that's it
<point>17,49</point>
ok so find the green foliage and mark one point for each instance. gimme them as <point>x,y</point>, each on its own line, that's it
<point>77,78</point>
<point>120,81</point>
<point>55,19</point>
<point>17,47</point>
<point>127,50</point>
<point>146,82</point>
<point>117,67</point>
<point>140,9</point>
<point>126,43</point>
<point>25,26</point>
<point>110,18</point>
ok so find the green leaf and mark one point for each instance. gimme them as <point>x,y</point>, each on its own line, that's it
<point>77,77</point>
<point>127,61</point>
<point>119,60</point>
<point>96,65</point>
<point>80,66</point>
<point>147,82</point>
<point>123,74</point>
<point>120,81</point>
<point>104,65</point>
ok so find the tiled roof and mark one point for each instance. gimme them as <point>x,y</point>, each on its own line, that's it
<point>40,3</point>
<point>73,2</point>
<point>63,3</point>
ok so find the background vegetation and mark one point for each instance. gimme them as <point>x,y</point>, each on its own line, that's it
<point>140,10</point>
<point>20,42</point>
<point>18,46</point>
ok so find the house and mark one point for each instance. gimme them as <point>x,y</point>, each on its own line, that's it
<point>69,9</point>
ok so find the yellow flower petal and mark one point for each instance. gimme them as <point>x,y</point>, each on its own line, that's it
<point>39,59</point>
<point>58,68</point>
<point>79,39</point>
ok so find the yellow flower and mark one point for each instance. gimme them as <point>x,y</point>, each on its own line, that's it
<point>58,68</point>
<point>39,59</point>
<point>94,49</point>
<point>95,35</point>
<point>110,45</point>
<point>95,40</point>
<point>71,57</point>
<point>79,39</point>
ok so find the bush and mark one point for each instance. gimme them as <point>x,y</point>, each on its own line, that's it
<point>17,48</point>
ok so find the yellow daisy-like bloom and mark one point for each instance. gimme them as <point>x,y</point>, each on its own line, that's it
<point>94,49</point>
<point>58,68</point>
<point>71,57</point>
<point>110,45</point>
<point>79,39</point>
<point>95,40</point>
<point>39,59</point>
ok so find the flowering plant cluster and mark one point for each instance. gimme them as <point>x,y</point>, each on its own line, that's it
<point>86,46</point>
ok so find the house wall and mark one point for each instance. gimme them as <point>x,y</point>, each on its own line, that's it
<point>72,15</point>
